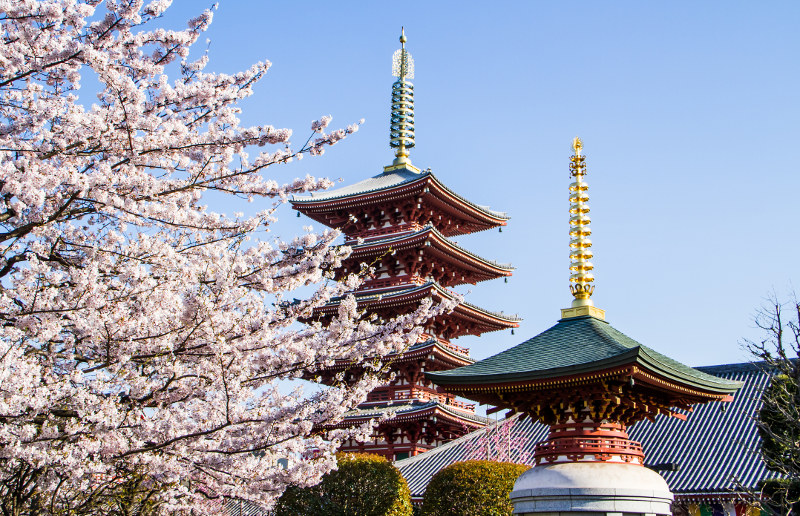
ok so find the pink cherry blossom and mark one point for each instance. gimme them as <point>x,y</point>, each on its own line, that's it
<point>142,331</point>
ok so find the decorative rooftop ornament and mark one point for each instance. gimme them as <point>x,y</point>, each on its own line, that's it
<point>402,62</point>
<point>580,245</point>
<point>588,382</point>
<point>399,225</point>
<point>401,129</point>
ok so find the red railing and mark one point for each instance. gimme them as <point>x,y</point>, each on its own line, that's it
<point>577,448</point>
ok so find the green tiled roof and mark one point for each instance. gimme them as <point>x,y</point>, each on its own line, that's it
<point>575,346</point>
<point>715,450</point>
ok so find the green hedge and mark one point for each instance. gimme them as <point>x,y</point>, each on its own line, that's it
<point>472,488</point>
<point>364,485</point>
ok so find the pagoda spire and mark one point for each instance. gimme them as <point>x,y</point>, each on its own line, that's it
<point>580,245</point>
<point>401,129</point>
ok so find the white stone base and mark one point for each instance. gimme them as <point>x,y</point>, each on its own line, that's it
<point>589,489</point>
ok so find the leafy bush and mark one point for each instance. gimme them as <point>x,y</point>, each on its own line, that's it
<point>363,484</point>
<point>472,488</point>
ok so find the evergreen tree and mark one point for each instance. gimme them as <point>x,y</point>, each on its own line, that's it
<point>779,416</point>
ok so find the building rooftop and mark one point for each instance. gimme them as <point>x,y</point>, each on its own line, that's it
<point>387,181</point>
<point>412,238</point>
<point>710,456</point>
<point>411,409</point>
<point>382,181</point>
<point>406,293</point>
<point>572,347</point>
<point>405,192</point>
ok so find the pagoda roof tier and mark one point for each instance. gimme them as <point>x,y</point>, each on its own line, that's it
<point>444,260</point>
<point>465,319</point>
<point>411,411</point>
<point>585,360</point>
<point>443,355</point>
<point>418,196</point>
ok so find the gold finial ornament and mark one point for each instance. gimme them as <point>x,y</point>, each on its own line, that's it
<point>580,254</point>
<point>401,129</point>
<point>577,146</point>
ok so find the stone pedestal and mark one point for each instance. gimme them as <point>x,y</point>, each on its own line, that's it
<point>591,489</point>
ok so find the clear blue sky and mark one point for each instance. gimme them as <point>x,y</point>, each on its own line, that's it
<point>688,111</point>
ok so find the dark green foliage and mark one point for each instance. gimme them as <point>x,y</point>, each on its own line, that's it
<point>779,417</point>
<point>779,424</point>
<point>128,493</point>
<point>780,495</point>
<point>364,485</point>
<point>472,488</point>
<point>779,427</point>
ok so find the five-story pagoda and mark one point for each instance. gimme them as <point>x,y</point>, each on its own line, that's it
<point>400,223</point>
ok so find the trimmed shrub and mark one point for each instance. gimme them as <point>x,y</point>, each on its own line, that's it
<point>364,485</point>
<point>472,488</point>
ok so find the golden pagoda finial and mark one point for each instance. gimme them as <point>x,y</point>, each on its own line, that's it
<point>581,278</point>
<point>577,146</point>
<point>401,129</point>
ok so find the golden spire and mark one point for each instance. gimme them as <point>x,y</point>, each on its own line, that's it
<point>581,278</point>
<point>401,132</point>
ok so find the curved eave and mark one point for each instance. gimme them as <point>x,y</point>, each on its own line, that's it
<point>661,365</point>
<point>452,355</point>
<point>443,246</point>
<point>497,321</point>
<point>426,183</point>
<point>440,352</point>
<point>495,218</point>
<point>476,312</point>
<point>405,296</point>
<point>385,181</point>
<point>413,413</point>
<point>317,208</point>
<point>639,359</point>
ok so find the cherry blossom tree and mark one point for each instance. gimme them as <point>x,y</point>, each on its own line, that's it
<point>145,336</point>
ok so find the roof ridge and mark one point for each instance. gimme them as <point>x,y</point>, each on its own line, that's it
<point>383,181</point>
<point>329,194</point>
<point>611,335</point>
<point>499,214</point>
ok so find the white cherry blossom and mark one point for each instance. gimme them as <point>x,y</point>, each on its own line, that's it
<point>140,331</point>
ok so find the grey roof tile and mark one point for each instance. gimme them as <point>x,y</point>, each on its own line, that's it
<point>387,180</point>
<point>372,184</point>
